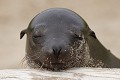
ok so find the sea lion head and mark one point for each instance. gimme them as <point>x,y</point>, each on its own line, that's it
<point>57,40</point>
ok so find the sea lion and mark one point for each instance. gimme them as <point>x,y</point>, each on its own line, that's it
<point>59,39</point>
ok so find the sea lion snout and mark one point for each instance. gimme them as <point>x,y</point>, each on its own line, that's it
<point>57,47</point>
<point>57,51</point>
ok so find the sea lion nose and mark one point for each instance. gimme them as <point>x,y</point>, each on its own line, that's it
<point>57,51</point>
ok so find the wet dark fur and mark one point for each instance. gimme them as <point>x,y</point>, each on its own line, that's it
<point>59,39</point>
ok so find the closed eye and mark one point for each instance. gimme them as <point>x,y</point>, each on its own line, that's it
<point>37,36</point>
<point>78,37</point>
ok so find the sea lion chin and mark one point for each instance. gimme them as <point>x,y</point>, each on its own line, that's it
<point>59,39</point>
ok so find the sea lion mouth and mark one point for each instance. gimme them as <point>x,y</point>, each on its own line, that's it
<point>57,64</point>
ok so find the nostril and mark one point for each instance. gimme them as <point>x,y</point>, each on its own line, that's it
<point>57,51</point>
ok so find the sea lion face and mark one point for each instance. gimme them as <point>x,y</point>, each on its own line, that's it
<point>56,40</point>
<point>55,48</point>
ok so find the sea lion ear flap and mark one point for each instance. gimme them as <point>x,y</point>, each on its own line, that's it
<point>22,33</point>
<point>92,33</point>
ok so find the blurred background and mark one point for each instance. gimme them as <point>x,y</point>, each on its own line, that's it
<point>103,17</point>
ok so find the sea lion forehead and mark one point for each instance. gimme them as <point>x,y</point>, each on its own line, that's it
<point>59,17</point>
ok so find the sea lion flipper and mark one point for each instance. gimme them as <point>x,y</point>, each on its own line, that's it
<point>22,33</point>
